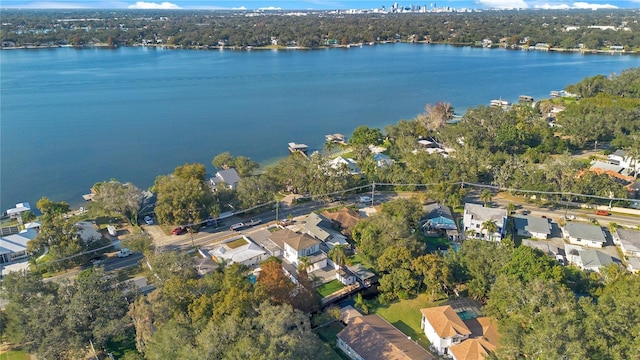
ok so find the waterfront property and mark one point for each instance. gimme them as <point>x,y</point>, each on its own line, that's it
<point>228,178</point>
<point>14,246</point>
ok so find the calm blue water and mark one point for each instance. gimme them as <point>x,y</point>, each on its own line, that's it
<point>70,118</point>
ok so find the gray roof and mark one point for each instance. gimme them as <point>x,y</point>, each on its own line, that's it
<point>16,243</point>
<point>361,272</point>
<point>595,259</point>
<point>482,214</point>
<point>606,166</point>
<point>620,153</point>
<point>532,224</point>
<point>545,247</point>
<point>585,231</point>
<point>229,176</point>
<point>630,239</point>
<point>436,210</point>
<point>316,225</point>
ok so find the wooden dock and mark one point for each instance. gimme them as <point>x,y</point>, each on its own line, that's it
<point>298,148</point>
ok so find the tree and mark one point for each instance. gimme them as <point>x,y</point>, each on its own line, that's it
<point>489,227</point>
<point>243,165</point>
<point>434,271</point>
<point>124,199</point>
<point>338,255</point>
<point>486,197</point>
<point>223,160</point>
<point>191,171</point>
<point>363,135</point>
<point>272,283</point>
<point>183,201</point>
<point>435,116</point>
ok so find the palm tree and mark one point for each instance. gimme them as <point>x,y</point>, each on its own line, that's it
<point>486,196</point>
<point>303,263</point>
<point>338,255</point>
<point>511,208</point>
<point>490,226</point>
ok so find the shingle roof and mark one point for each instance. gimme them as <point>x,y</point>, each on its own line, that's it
<point>595,259</point>
<point>532,224</point>
<point>630,239</point>
<point>16,243</point>
<point>346,217</point>
<point>229,176</point>
<point>482,214</point>
<point>296,240</point>
<point>374,338</point>
<point>445,321</point>
<point>472,349</point>
<point>585,231</point>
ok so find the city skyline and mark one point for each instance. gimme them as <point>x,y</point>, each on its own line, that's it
<point>317,4</point>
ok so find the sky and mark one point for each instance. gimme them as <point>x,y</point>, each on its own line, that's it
<point>316,4</point>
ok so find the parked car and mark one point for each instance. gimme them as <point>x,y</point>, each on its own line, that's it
<point>97,260</point>
<point>254,222</point>
<point>236,227</point>
<point>560,259</point>
<point>124,252</point>
<point>602,212</point>
<point>364,199</point>
<point>148,220</point>
<point>179,230</point>
<point>286,222</point>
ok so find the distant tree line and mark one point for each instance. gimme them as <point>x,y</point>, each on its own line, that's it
<point>565,29</point>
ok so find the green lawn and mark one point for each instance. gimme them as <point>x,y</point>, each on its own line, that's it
<point>329,288</point>
<point>328,335</point>
<point>15,355</point>
<point>405,315</point>
<point>236,243</point>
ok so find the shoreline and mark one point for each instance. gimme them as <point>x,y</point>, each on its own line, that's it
<point>294,48</point>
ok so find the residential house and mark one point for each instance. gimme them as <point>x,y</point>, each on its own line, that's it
<point>239,249</point>
<point>372,337</point>
<point>629,241</point>
<point>321,228</point>
<point>584,234</point>
<point>346,218</point>
<point>484,340</point>
<point>439,218</point>
<point>345,276</point>
<point>475,217</point>
<point>14,246</point>
<point>532,227</point>
<point>296,245</point>
<point>345,164</point>
<point>228,178</point>
<point>382,160</point>
<point>545,247</point>
<point>590,260</point>
<point>622,158</point>
<point>443,327</point>
<point>363,275</point>
<point>633,265</point>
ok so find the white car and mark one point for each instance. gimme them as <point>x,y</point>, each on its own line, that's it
<point>148,220</point>
<point>364,199</point>
<point>124,252</point>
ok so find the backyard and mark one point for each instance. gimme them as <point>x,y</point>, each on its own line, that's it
<point>329,288</point>
<point>328,334</point>
<point>405,315</point>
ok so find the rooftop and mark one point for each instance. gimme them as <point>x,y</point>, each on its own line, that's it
<point>237,254</point>
<point>630,239</point>
<point>445,321</point>
<point>585,231</point>
<point>374,338</point>
<point>532,224</point>
<point>595,259</point>
<point>295,240</point>
<point>16,242</point>
<point>482,214</point>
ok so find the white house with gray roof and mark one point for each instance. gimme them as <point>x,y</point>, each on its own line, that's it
<point>594,260</point>
<point>621,158</point>
<point>629,241</point>
<point>14,246</point>
<point>532,227</point>
<point>584,234</point>
<point>476,215</point>
<point>320,228</point>
<point>228,177</point>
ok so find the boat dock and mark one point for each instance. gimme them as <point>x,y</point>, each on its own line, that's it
<point>336,139</point>
<point>298,148</point>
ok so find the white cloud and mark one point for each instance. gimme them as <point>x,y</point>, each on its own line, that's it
<point>149,5</point>
<point>575,5</point>
<point>270,8</point>
<point>239,8</point>
<point>504,4</point>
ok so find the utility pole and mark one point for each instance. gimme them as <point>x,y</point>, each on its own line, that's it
<point>277,206</point>
<point>373,191</point>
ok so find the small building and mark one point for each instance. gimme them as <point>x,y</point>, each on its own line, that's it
<point>239,249</point>
<point>301,148</point>
<point>372,337</point>
<point>593,260</point>
<point>584,234</point>
<point>348,165</point>
<point>443,327</point>
<point>16,212</point>
<point>532,227</point>
<point>363,275</point>
<point>622,158</point>
<point>228,178</point>
<point>14,246</point>
<point>629,241</point>
<point>382,160</point>
<point>633,265</point>
<point>346,218</point>
<point>475,217</point>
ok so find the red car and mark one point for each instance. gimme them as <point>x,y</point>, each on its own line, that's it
<point>602,212</point>
<point>179,230</point>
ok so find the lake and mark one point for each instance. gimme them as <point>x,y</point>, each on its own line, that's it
<point>71,118</point>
